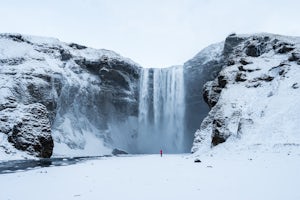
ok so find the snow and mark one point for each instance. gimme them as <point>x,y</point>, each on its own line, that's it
<point>91,145</point>
<point>11,48</point>
<point>211,52</point>
<point>244,175</point>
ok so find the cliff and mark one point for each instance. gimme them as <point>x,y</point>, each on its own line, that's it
<point>254,100</point>
<point>68,93</point>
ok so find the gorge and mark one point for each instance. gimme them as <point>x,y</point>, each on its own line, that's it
<point>70,100</point>
<point>94,101</point>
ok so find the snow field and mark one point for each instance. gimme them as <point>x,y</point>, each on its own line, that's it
<point>244,175</point>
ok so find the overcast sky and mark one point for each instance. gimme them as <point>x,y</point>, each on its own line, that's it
<point>154,33</point>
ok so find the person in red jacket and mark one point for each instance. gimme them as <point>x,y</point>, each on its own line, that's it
<point>160,153</point>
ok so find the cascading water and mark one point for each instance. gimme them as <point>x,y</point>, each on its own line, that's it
<point>161,111</point>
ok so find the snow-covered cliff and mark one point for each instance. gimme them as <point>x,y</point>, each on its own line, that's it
<point>87,96</point>
<point>202,68</point>
<point>255,98</point>
<point>68,99</point>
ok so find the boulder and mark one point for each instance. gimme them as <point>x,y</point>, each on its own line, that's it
<point>118,152</point>
<point>243,61</point>
<point>294,57</point>
<point>295,86</point>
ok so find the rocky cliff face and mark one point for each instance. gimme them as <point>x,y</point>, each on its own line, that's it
<point>67,99</point>
<point>204,67</point>
<point>254,100</point>
<point>75,92</point>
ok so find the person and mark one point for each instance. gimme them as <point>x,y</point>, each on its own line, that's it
<point>160,153</point>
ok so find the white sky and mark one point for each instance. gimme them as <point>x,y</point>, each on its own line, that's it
<point>154,33</point>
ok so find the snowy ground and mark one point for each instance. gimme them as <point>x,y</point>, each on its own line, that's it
<point>253,176</point>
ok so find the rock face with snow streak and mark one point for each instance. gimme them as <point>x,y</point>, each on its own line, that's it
<point>255,98</point>
<point>87,96</point>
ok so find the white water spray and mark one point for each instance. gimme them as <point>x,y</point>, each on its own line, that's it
<point>161,111</point>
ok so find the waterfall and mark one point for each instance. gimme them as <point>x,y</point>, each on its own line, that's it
<point>161,111</point>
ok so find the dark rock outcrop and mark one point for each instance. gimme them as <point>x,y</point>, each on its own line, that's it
<point>32,132</point>
<point>241,77</point>
<point>211,93</point>
<point>217,132</point>
<point>77,46</point>
<point>295,86</point>
<point>231,42</point>
<point>243,61</point>
<point>294,57</point>
<point>116,152</point>
<point>28,128</point>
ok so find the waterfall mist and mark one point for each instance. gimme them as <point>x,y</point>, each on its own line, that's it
<point>161,111</point>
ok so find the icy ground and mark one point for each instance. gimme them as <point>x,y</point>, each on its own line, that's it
<point>251,174</point>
